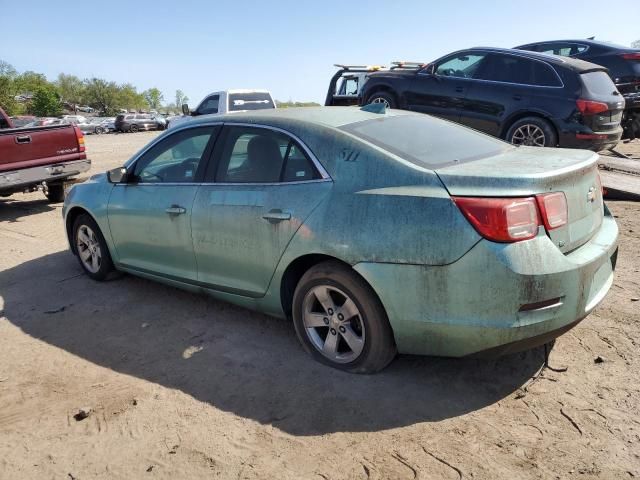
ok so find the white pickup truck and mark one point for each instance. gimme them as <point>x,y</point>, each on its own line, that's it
<point>227,101</point>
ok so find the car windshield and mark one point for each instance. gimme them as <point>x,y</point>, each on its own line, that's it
<point>250,101</point>
<point>426,141</point>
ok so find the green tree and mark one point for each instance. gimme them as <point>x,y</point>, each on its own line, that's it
<point>7,89</point>
<point>130,99</point>
<point>30,82</point>
<point>45,103</point>
<point>180,99</point>
<point>71,89</point>
<point>102,95</point>
<point>154,98</point>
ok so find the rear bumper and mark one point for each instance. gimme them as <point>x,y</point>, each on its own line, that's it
<point>497,296</point>
<point>17,180</point>
<point>595,141</point>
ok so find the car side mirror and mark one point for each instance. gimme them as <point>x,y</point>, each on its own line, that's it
<point>185,109</point>
<point>117,175</point>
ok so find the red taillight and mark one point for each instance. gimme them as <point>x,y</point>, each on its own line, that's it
<point>501,219</point>
<point>589,107</point>
<point>631,56</point>
<point>80,137</point>
<point>553,207</point>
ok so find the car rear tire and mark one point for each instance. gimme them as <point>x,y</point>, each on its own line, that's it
<point>133,128</point>
<point>99,130</point>
<point>340,321</point>
<point>384,98</point>
<point>91,248</point>
<point>533,132</point>
<point>55,192</point>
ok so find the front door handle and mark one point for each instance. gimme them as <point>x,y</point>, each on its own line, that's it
<point>23,139</point>
<point>517,97</point>
<point>276,216</point>
<point>459,89</point>
<point>175,210</point>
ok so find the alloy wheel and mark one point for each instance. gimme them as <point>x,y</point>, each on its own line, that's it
<point>383,101</point>
<point>529,135</point>
<point>88,249</point>
<point>333,323</point>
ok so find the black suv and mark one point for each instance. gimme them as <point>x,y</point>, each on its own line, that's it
<point>523,97</point>
<point>623,64</point>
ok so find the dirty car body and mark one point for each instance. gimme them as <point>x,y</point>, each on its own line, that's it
<point>463,243</point>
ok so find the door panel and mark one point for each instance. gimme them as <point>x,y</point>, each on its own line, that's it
<point>146,236</point>
<point>237,249</point>
<point>488,104</point>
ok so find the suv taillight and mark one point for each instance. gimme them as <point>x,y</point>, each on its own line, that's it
<point>80,138</point>
<point>631,56</point>
<point>514,219</point>
<point>590,107</point>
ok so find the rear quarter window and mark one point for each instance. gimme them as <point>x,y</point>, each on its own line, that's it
<point>250,101</point>
<point>426,141</point>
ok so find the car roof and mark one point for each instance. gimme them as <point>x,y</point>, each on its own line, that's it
<point>574,64</point>
<point>583,41</point>
<point>333,117</point>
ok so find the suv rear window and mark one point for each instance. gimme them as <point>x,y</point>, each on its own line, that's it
<point>598,83</point>
<point>523,71</point>
<point>426,141</point>
<point>249,101</point>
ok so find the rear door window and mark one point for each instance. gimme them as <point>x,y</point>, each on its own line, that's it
<point>519,70</point>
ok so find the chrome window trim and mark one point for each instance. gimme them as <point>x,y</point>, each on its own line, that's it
<point>511,83</point>
<point>219,184</point>
<point>323,172</point>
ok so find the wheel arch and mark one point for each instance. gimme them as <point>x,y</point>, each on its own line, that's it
<point>380,87</point>
<point>527,113</point>
<point>70,219</point>
<point>298,267</point>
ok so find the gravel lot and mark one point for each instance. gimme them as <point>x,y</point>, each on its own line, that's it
<point>183,386</point>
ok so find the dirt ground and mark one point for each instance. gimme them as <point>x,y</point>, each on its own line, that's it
<point>183,386</point>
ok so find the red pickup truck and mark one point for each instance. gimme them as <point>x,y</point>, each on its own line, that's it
<point>39,157</point>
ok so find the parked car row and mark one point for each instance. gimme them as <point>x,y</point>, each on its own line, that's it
<point>524,96</point>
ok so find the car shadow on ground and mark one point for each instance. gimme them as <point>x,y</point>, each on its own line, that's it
<point>12,209</point>
<point>239,361</point>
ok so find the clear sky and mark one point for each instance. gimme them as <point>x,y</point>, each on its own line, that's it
<point>288,47</point>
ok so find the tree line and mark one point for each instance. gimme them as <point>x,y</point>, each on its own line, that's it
<point>47,99</point>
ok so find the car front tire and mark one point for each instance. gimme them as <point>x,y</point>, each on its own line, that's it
<point>91,248</point>
<point>133,128</point>
<point>340,321</point>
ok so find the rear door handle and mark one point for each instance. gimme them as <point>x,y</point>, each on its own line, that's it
<point>23,139</point>
<point>276,216</point>
<point>175,210</point>
<point>517,97</point>
<point>459,89</point>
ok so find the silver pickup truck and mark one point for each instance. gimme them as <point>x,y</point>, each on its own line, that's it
<point>226,101</point>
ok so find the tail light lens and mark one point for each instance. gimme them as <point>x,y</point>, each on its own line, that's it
<point>590,107</point>
<point>631,56</point>
<point>501,219</point>
<point>553,207</point>
<point>80,137</point>
<point>514,219</point>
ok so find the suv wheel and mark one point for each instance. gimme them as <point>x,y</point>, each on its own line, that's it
<point>133,128</point>
<point>340,321</point>
<point>384,98</point>
<point>533,132</point>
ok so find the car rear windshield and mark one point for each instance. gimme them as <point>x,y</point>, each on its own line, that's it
<point>249,101</point>
<point>426,141</point>
<point>598,83</point>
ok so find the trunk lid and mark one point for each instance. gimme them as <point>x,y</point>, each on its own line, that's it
<point>528,171</point>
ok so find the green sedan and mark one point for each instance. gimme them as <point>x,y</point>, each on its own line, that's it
<point>376,232</point>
